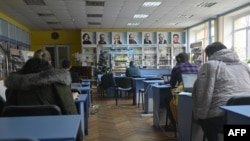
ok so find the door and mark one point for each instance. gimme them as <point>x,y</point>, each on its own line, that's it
<point>58,54</point>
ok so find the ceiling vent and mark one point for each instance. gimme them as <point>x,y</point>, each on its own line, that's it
<point>45,14</point>
<point>53,23</point>
<point>205,4</point>
<point>94,15</point>
<point>56,29</point>
<point>94,3</point>
<point>35,2</point>
<point>94,23</point>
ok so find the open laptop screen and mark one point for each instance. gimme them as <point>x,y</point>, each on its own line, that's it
<point>188,80</point>
<point>166,78</point>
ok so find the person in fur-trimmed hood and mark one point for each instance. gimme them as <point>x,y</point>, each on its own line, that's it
<point>39,83</point>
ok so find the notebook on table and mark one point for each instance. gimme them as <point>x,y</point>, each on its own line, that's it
<point>188,80</point>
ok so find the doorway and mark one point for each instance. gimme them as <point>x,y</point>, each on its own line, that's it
<point>58,54</point>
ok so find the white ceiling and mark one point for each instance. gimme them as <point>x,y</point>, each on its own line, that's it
<point>72,14</point>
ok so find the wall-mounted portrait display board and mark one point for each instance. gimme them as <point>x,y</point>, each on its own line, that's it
<point>132,38</point>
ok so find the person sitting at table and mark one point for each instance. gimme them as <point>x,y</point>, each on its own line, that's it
<point>74,77</point>
<point>39,83</point>
<point>182,66</point>
<point>132,70</point>
<point>66,64</point>
<point>220,78</point>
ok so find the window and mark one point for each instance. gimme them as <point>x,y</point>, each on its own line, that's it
<point>242,22</point>
<point>241,37</point>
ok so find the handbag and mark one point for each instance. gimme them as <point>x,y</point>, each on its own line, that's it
<point>174,101</point>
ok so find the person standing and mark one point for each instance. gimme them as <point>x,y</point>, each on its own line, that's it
<point>39,83</point>
<point>132,70</point>
<point>220,78</point>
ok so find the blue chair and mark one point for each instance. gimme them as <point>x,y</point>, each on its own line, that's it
<point>234,100</point>
<point>30,110</point>
<point>108,84</point>
<point>123,84</point>
<point>99,85</point>
<point>20,139</point>
<point>141,96</point>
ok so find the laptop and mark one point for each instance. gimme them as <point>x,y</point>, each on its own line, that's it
<point>166,78</point>
<point>188,80</point>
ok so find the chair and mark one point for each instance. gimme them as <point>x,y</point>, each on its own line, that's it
<point>239,100</point>
<point>19,139</point>
<point>99,86</point>
<point>141,96</point>
<point>108,84</point>
<point>31,110</point>
<point>235,100</point>
<point>123,84</point>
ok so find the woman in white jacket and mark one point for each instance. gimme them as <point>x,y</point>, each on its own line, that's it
<point>220,78</point>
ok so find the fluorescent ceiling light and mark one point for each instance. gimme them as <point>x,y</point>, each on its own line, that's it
<point>133,24</point>
<point>140,16</point>
<point>151,4</point>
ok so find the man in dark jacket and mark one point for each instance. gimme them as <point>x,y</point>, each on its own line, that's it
<point>133,71</point>
<point>74,75</point>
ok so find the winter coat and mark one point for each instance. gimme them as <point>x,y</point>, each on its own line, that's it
<point>133,71</point>
<point>45,87</point>
<point>38,83</point>
<point>222,77</point>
